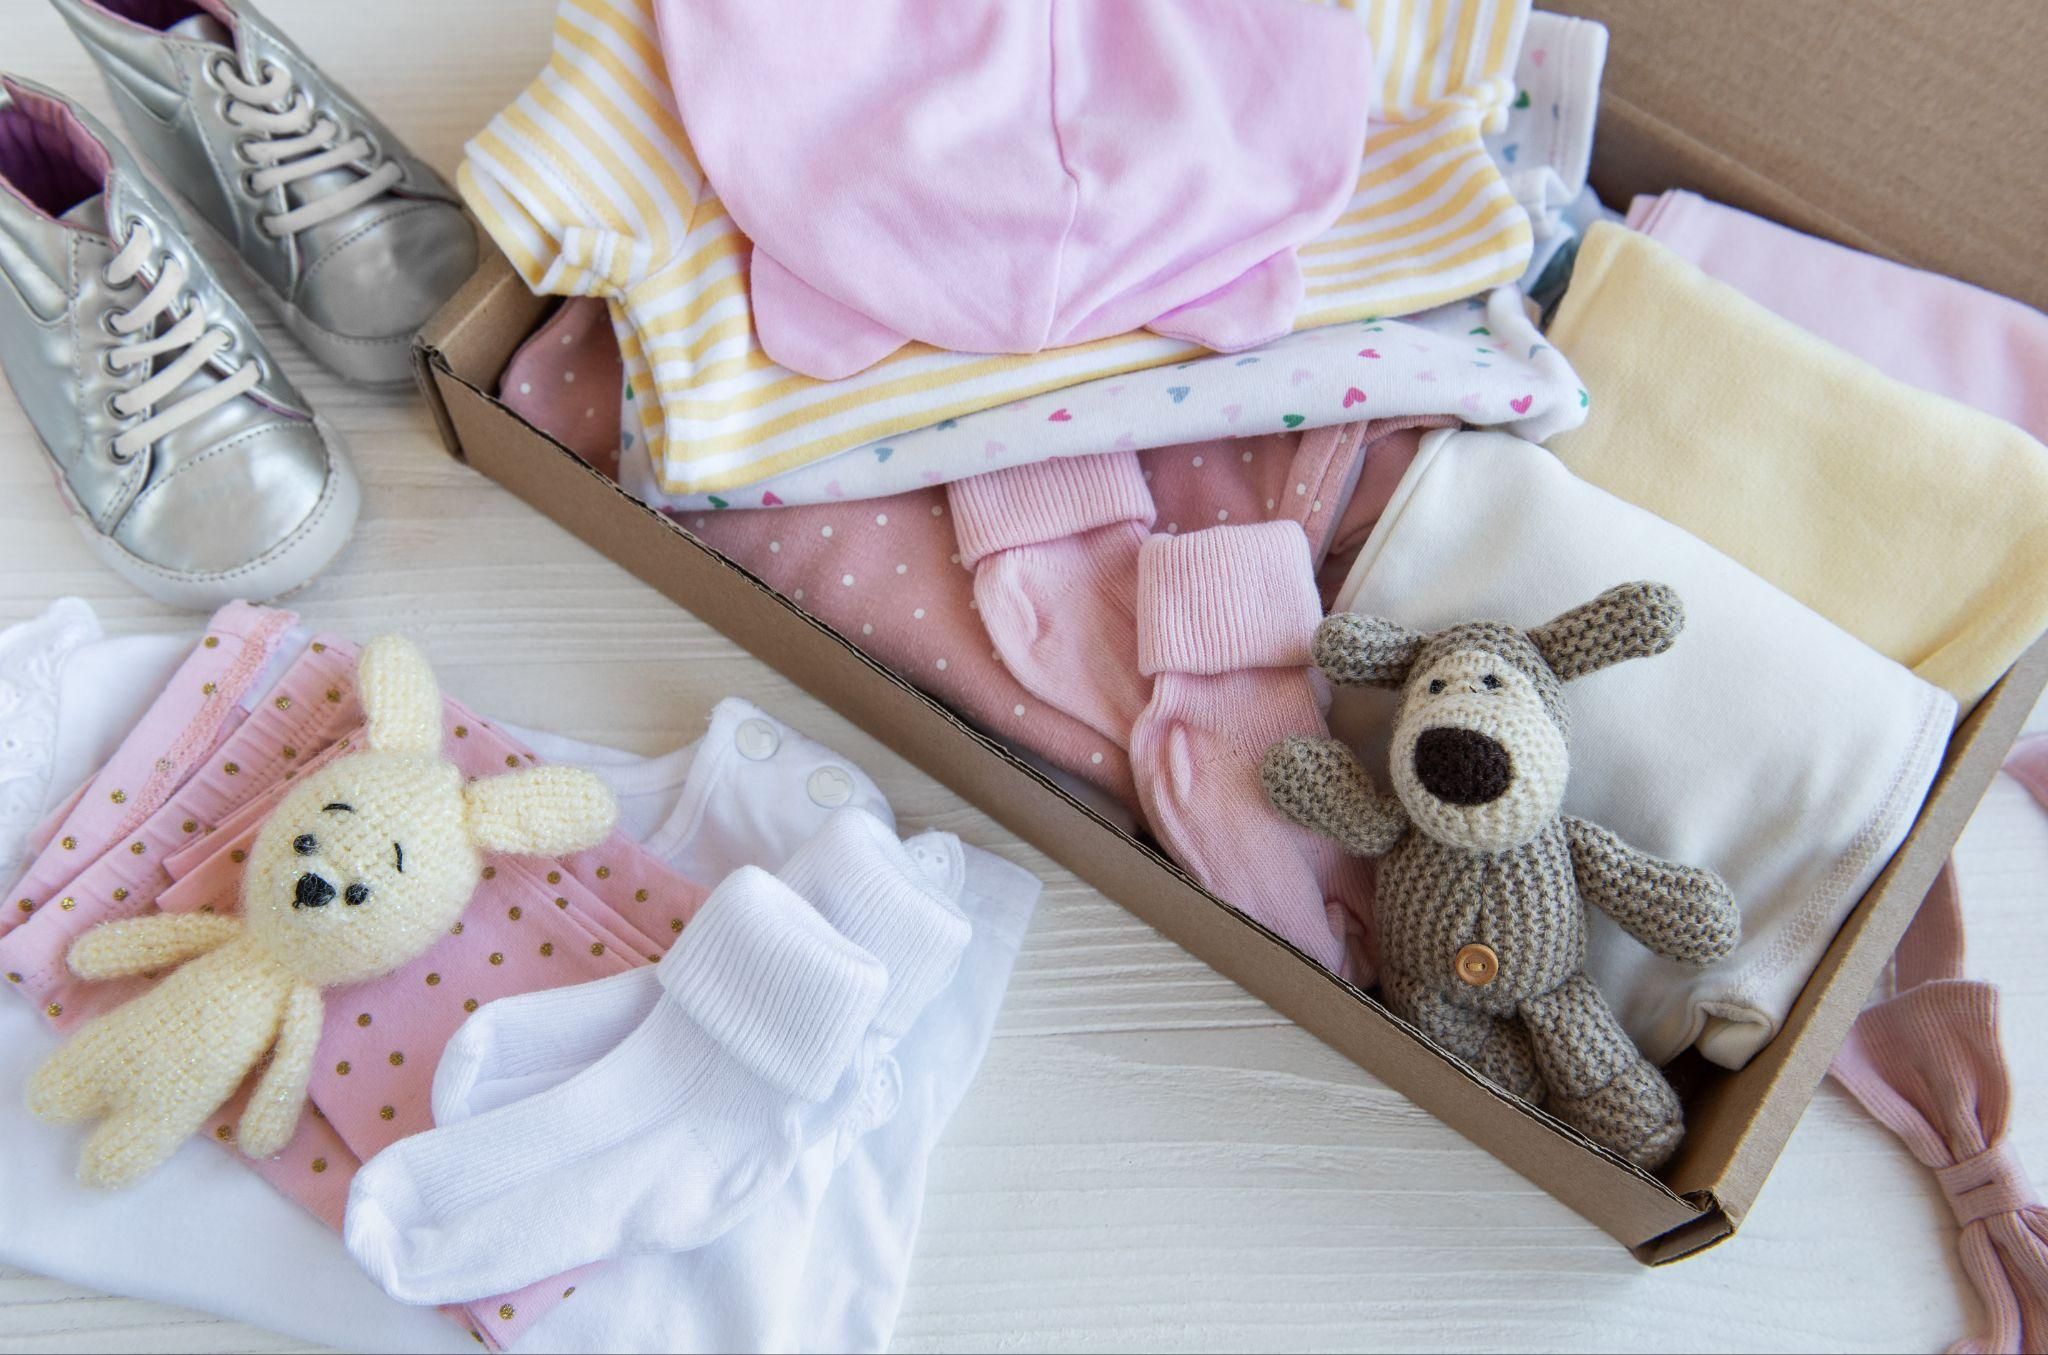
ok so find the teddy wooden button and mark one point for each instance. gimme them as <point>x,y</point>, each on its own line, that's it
<point>1476,964</point>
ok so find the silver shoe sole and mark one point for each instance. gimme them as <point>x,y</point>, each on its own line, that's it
<point>286,567</point>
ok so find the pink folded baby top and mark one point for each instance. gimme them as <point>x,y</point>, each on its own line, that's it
<point>1004,176</point>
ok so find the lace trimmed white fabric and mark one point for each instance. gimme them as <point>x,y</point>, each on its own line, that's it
<point>32,658</point>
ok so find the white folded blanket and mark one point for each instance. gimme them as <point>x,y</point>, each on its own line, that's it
<point>1768,744</point>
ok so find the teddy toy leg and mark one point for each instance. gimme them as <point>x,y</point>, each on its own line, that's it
<point>1600,1083</point>
<point>72,1084</point>
<point>131,1143</point>
<point>1497,1047</point>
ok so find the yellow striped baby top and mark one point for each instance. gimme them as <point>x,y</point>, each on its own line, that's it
<point>588,184</point>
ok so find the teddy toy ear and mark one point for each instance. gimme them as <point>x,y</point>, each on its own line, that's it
<point>1359,650</point>
<point>540,811</point>
<point>401,700</point>
<point>1628,621</point>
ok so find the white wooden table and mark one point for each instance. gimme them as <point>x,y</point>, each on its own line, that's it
<point>1150,1159</point>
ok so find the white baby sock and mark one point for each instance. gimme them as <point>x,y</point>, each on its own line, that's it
<point>660,1145</point>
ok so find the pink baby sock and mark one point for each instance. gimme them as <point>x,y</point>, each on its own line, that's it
<point>1225,620</point>
<point>1054,549</point>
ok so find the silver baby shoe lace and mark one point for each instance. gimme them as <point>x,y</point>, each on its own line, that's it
<point>289,145</point>
<point>188,342</point>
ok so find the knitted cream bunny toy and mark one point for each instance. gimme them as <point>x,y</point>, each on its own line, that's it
<point>358,871</point>
<point>1482,928</point>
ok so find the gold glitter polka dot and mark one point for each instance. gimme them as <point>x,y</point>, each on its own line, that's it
<point>319,1165</point>
<point>55,1009</point>
<point>675,924</point>
<point>462,731</point>
<point>283,703</point>
<point>490,872</point>
<point>70,844</point>
<point>211,642</point>
<point>334,694</point>
<point>26,905</point>
<point>455,930</point>
<point>363,1020</point>
<point>497,957</point>
<point>604,872</point>
<point>387,1113</point>
<point>505,1311</point>
<point>639,896</point>
<point>136,848</point>
<point>190,825</point>
<point>317,1113</point>
<point>221,1132</point>
<point>597,947</point>
<point>433,979</point>
<point>205,907</point>
<point>469,1004</point>
<point>514,914</point>
<point>561,902</point>
<point>119,797</point>
<point>289,752</point>
<point>397,1059</point>
<point>238,856</point>
<point>570,1290</point>
<point>341,1069</point>
<point>319,647</point>
<point>554,877</point>
<point>207,689</point>
<point>13,977</point>
<point>511,760</point>
<point>120,895</point>
<point>232,769</point>
<point>67,903</point>
<point>547,948</point>
<point>478,1338</point>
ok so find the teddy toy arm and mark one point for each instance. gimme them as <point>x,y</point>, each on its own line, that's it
<point>272,1114</point>
<point>138,945</point>
<point>1319,784</point>
<point>1682,912</point>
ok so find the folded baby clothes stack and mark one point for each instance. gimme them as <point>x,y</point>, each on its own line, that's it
<point>1914,522</point>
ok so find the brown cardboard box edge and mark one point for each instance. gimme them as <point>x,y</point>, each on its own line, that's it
<point>1655,132</point>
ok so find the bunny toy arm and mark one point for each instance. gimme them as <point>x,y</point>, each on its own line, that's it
<point>138,945</point>
<point>1681,912</point>
<point>272,1114</point>
<point>1319,784</point>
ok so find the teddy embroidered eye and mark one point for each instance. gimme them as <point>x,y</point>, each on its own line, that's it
<point>1490,682</point>
<point>398,854</point>
<point>356,895</point>
<point>1436,687</point>
<point>335,805</point>
<point>305,844</point>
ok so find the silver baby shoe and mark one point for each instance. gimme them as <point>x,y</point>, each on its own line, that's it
<point>355,242</point>
<point>193,466</point>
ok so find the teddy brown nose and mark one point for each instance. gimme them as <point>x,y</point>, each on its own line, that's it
<point>1461,766</point>
<point>312,892</point>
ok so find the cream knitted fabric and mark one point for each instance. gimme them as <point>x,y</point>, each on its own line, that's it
<point>362,867</point>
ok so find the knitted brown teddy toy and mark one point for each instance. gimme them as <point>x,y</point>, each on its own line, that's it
<point>1482,928</point>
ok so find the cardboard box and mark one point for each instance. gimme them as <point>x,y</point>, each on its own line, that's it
<point>1657,131</point>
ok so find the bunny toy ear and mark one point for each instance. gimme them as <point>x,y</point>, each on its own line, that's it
<point>540,811</point>
<point>401,700</point>
<point>1355,650</point>
<point>1628,621</point>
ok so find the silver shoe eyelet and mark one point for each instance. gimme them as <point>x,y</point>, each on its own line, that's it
<point>114,411</point>
<point>107,325</point>
<point>242,145</point>
<point>213,69</point>
<point>114,455</point>
<point>249,184</point>
<point>107,364</point>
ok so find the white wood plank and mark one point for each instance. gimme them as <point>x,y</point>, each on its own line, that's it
<point>1151,1160</point>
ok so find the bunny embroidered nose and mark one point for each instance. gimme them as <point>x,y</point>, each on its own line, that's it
<point>1461,766</point>
<point>312,892</point>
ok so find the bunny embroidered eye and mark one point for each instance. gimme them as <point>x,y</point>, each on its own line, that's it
<point>1436,687</point>
<point>305,844</point>
<point>1491,682</point>
<point>356,895</point>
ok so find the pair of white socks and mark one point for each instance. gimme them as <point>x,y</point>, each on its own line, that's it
<point>651,1112</point>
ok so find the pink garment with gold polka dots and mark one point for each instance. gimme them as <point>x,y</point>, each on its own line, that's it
<point>532,923</point>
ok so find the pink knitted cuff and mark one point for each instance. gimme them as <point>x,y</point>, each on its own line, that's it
<point>1226,599</point>
<point>1046,501</point>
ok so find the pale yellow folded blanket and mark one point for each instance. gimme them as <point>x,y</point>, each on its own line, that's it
<point>1913,522</point>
